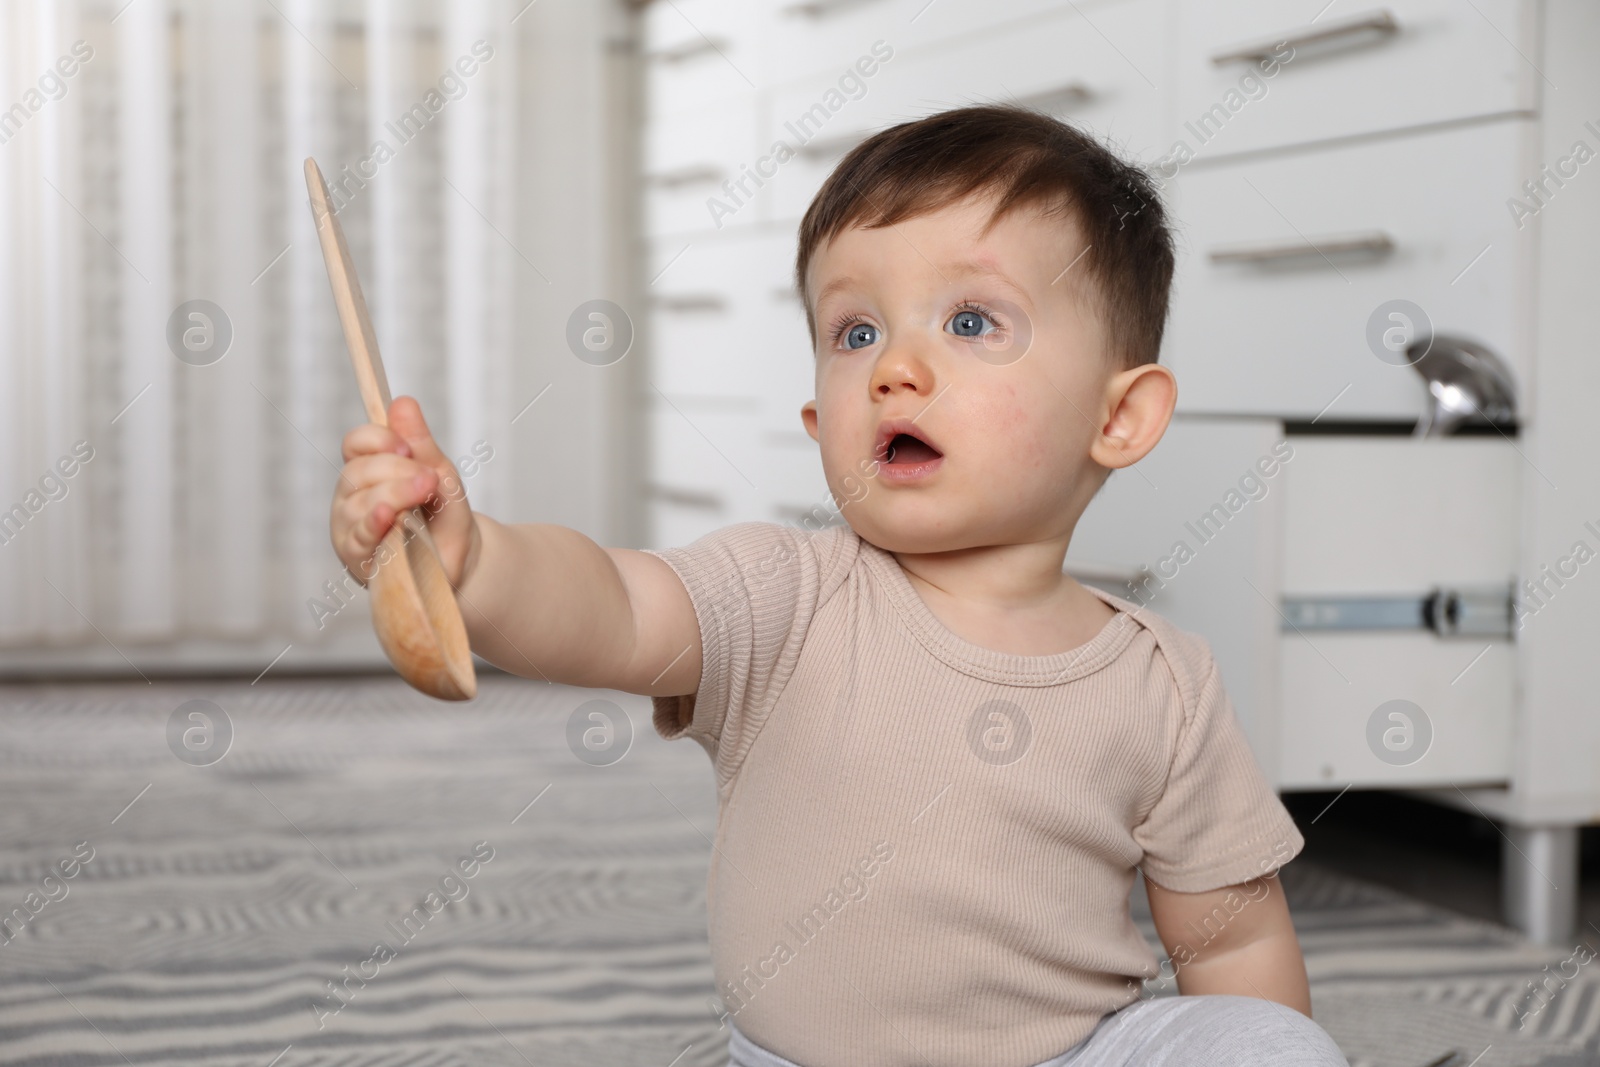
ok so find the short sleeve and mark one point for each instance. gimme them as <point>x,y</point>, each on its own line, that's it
<point>1218,822</point>
<point>755,587</point>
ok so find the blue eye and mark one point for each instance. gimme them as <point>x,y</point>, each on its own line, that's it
<point>861,335</point>
<point>970,323</point>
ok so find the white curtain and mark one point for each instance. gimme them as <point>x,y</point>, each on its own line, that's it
<point>150,155</point>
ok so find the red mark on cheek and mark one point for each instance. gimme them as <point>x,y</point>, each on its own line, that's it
<point>1031,437</point>
<point>1012,418</point>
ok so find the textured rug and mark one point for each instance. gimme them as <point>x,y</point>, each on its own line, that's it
<point>342,872</point>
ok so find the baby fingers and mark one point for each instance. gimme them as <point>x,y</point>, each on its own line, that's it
<point>370,512</point>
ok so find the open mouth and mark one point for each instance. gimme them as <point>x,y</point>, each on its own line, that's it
<point>904,448</point>
<point>903,444</point>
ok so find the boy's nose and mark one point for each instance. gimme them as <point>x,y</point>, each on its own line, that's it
<point>899,369</point>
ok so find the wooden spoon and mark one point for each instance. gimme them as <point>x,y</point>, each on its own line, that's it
<point>414,609</point>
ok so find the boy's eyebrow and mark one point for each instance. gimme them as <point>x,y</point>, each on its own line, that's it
<point>987,270</point>
<point>965,268</point>
<point>833,287</point>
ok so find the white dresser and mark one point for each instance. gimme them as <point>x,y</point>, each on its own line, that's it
<point>1375,159</point>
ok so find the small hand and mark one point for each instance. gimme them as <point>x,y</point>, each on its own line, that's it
<point>388,471</point>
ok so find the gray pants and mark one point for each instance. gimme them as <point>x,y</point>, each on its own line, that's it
<point>1197,1031</point>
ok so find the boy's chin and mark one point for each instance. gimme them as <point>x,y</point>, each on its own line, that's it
<point>907,535</point>
<point>926,528</point>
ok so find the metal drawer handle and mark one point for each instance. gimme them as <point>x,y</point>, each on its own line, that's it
<point>689,50</point>
<point>697,174</point>
<point>1466,381</point>
<point>819,8</point>
<point>685,498</point>
<point>691,302</point>
<point>1111,577</point>
<point>1069,97</point>
<point>1375,244</point>
<point>1377,25</point>
<point>824,148</point>
<point>817,516</point>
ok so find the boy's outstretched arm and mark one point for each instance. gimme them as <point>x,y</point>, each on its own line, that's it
<point>1238,939</point>
<point>538,600</point>
<point>545,601</point>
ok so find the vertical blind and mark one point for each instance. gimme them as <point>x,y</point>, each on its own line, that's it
<point>150,157</point>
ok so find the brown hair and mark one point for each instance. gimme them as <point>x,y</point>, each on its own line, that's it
<point>1028,158</point>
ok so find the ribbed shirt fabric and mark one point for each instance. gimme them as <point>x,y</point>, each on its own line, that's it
<point>924,847</point>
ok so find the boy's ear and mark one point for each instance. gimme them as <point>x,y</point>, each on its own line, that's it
<point>1138,405</point>
<point>808,415</point>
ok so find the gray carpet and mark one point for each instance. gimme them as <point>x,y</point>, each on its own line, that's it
<point>222,899</point>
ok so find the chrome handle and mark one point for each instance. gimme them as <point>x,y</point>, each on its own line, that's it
<point>1376,24</point>
<point>1466,381</point>
<point>819,8</point>
<point>817,516</point>
<point>689,50</point>
<point>831,147</point>
<point>1111,577</point>
<point>1375,244</point>
<point>697,174</point>
<point>689,302</point>
<point>685,498</point>
<point>1069,97</point>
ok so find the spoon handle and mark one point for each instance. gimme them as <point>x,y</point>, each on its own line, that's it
<point>353,317</point>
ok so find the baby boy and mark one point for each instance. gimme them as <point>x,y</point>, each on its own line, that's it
<point>940,761</point>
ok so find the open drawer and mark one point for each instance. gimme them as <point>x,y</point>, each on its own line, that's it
<point>1372,526</point>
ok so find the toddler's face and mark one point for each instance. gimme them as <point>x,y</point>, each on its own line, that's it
<point>986,350</point>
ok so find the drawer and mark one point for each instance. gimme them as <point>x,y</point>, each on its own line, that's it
<point>673,524</point>
<point>1398,515</point>
<point>725,323</point>
<point>1333,683</point>
<point>701,459</point>
<point>701,52</point>
<point>1393,518</point>
<point>1353,70</point>
<point>686,158</point>
<point>798,492</point>
<point>1060,63</point>
<point>1256,332</point>
<point>808,37</point>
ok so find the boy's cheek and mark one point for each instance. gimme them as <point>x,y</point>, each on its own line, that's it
<point>1009,432</point>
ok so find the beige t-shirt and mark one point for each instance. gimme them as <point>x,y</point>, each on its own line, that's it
<point>924,847</point>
